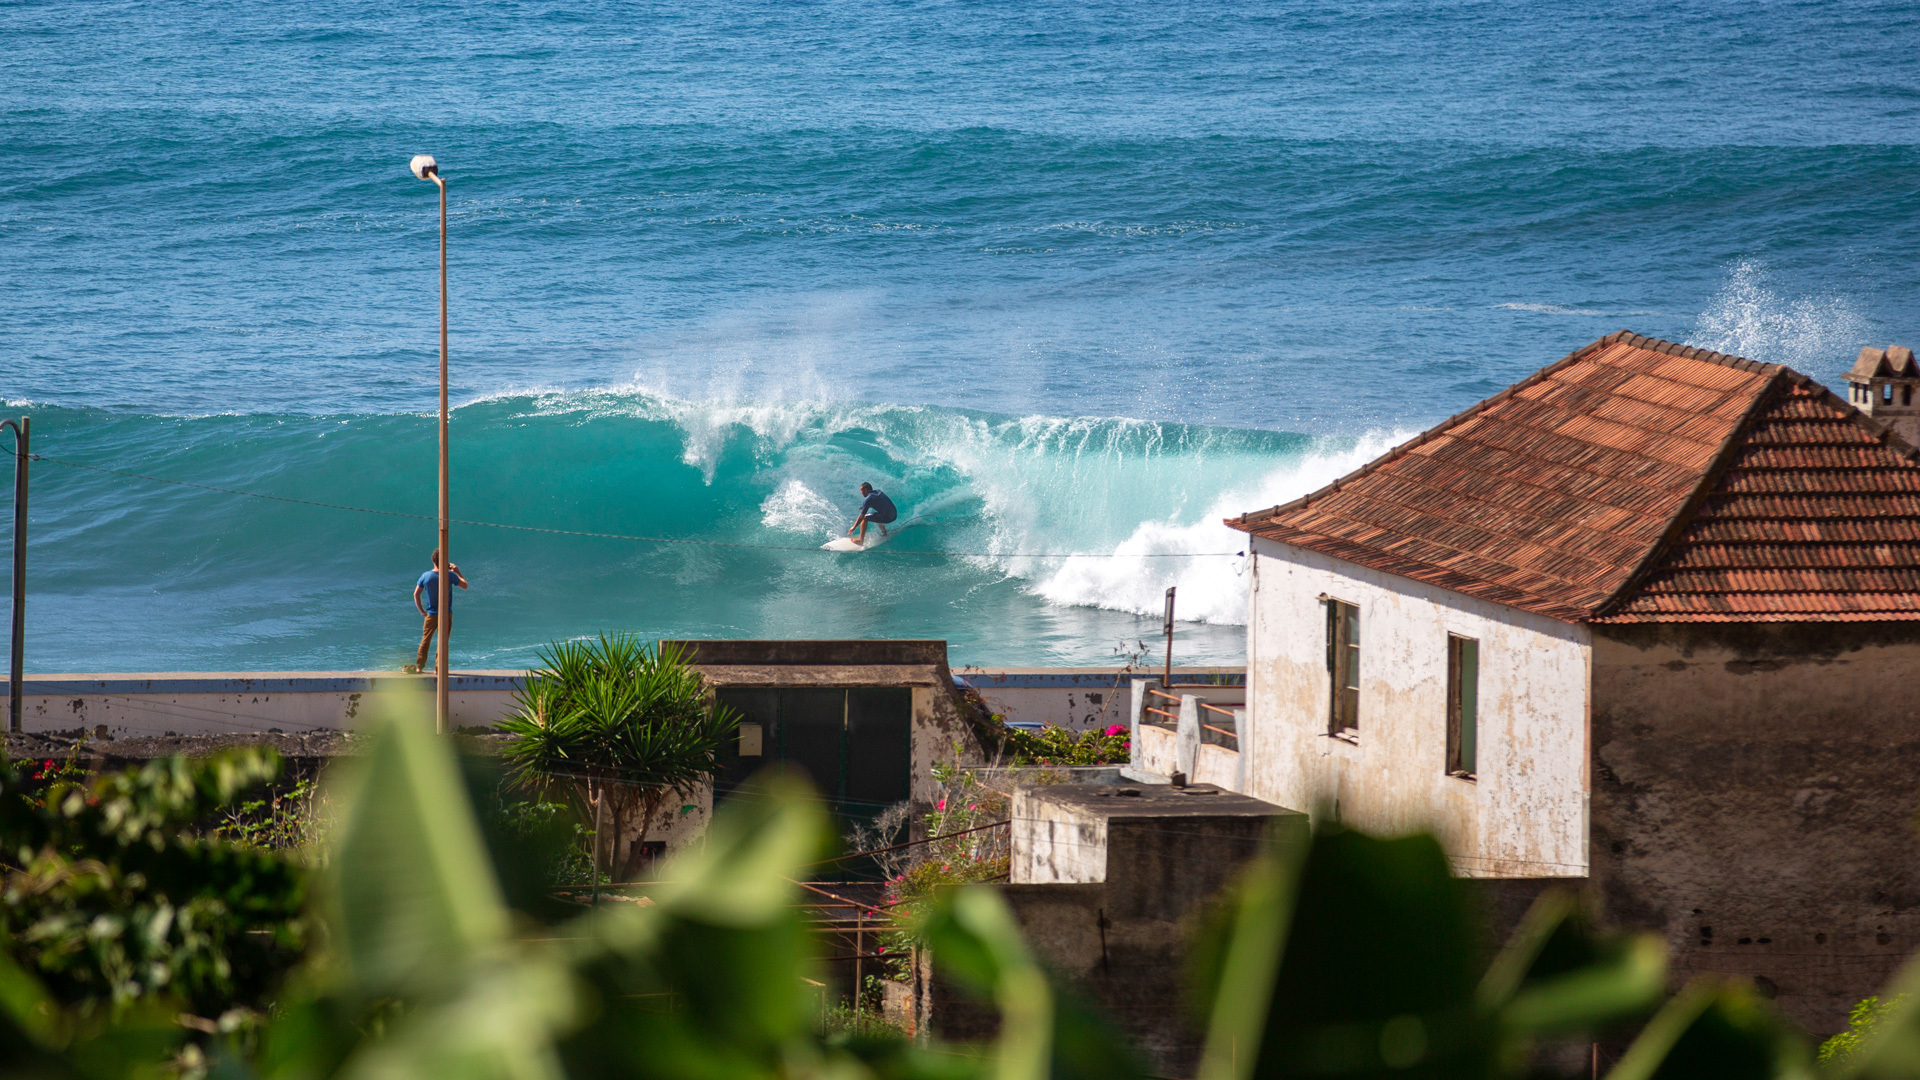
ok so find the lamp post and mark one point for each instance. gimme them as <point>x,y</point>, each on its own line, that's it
<point>426,168</point>
<point>14,685</point>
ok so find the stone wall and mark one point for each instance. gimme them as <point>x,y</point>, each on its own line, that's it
<point>1754,799</point>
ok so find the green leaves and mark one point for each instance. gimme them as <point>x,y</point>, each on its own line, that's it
<point>1559,976</point>
<point>117,897</point>
<point>617,710</point>
<point>412,891</point>
<point>709,980</point>
<point>1338,955</point>
<point>1360,957</point>
<point>1716,1028</point>
<point>1043,1033</point>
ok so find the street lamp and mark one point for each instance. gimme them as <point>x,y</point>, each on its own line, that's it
<point>426,168</point>
<point>14,686</point>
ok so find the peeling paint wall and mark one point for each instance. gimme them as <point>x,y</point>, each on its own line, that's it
<point>1524,815</point>
<point>1056,843</point>
<point>1754,799</point>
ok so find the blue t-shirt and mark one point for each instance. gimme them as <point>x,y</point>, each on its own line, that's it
<point>430,582</point>
<point>879,508</point>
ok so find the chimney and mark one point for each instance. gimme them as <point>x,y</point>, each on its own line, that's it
<point>1885,384</point>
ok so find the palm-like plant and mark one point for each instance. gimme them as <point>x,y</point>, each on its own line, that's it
<point>625,727</point>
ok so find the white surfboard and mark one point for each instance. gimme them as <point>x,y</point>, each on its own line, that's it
<point>847,543</point>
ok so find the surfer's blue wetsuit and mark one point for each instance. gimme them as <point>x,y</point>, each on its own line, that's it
<point>879,509</point>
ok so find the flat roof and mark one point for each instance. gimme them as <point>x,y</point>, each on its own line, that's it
<point>1121,801</point>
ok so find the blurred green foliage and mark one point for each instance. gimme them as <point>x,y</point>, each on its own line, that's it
<point>116,890</point>
<point>1338,955</point>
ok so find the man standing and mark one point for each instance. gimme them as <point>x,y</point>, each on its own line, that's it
<point>877,508</point>
<point>429,585</point>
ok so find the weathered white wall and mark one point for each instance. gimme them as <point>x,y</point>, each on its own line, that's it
<point>1155,750</point>
<point>1055,843</point>
<point>1216,765</point>
<point>1524,815</point>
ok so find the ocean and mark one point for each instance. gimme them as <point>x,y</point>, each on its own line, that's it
<point>1070,282</point>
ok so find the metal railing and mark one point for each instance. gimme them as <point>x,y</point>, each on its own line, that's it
<point>1228,737</point>
<point>1172,719</point>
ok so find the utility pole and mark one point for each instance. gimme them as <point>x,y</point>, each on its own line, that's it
<point>1166,680</point>
<point>16,687</point>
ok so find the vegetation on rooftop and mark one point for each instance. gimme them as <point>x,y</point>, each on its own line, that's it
<point>1051,746</point>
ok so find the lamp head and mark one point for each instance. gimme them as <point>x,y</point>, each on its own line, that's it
<point>424,166</point>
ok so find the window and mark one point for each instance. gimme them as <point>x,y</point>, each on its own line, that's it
<point>1463,705</point>
<point>1886,393</point>
<point>1343,666</point>
<point>1906,394</point>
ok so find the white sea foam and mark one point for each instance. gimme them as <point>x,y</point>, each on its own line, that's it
<point>1136,575</point>
<point>1814,333</point>
<point>1139,504</point>
<point>1555,309</point>
<point>795,507</point>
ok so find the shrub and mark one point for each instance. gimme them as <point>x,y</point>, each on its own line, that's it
<point>624,727</point>
<point>121,889</point>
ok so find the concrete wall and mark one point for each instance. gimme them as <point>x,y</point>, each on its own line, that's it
<point>1113,906</point>
<point>1525,813</point>
<point>221,703</point>
<point>1078,699</point>
<point>1755,800</point>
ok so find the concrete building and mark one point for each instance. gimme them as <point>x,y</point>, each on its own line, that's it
<point>1648,618</point>
<point>865,720</point>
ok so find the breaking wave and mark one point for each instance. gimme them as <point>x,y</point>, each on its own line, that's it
<point>989,505</point>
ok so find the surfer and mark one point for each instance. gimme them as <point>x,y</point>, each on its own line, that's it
<point>877,508</point>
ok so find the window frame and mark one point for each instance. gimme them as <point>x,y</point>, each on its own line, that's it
<point>1344,640</point>
<point>1463,706</point>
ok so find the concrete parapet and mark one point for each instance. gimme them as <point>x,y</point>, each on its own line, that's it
<point>218,703</point>
<point>1109,884</point>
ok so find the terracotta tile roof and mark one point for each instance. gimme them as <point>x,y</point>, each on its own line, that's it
<point>1640,481</point>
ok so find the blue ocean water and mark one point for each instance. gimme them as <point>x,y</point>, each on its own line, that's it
<point>1064,279</point>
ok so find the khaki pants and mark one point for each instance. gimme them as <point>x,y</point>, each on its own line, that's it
<point>426,639</point>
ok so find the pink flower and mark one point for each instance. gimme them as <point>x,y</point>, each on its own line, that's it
<point>943,804</point>
<point>973,806</point>
<point>1116,729</point>
<point>881,949</point>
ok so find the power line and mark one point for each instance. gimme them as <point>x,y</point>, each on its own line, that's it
<point>623,536</point>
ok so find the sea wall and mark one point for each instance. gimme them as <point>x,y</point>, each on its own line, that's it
<point>142,704</point>
<point>148,704</point>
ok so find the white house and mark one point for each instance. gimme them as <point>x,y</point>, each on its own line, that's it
<point>1649,618</point>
